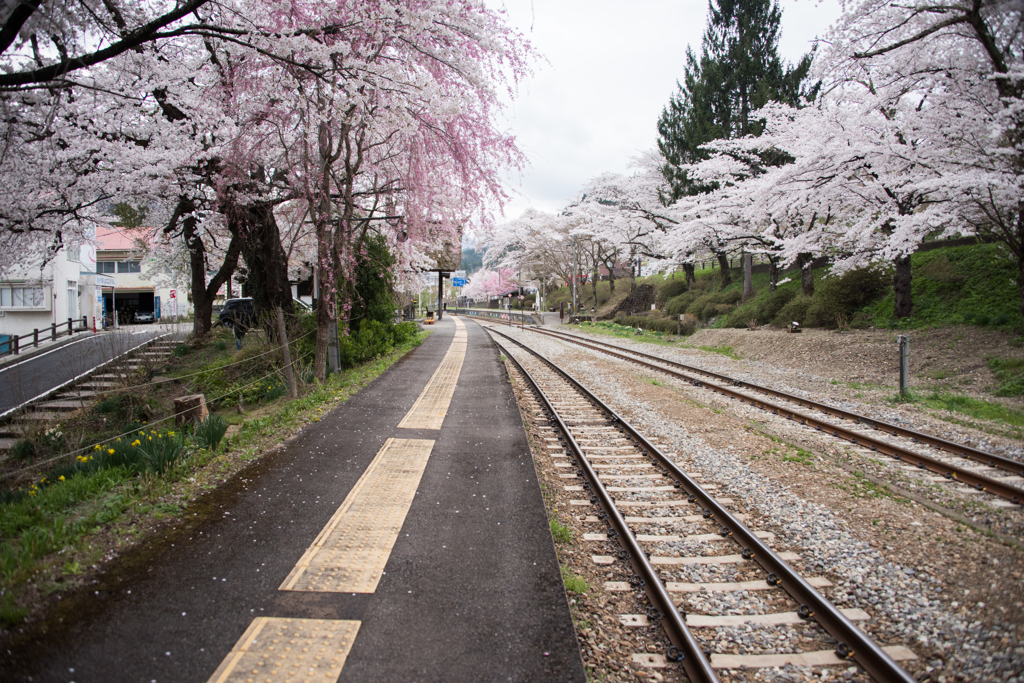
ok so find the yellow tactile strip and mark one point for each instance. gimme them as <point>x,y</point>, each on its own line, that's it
<point>350,553</point>
<point>274,650</point>
<point>432,405</point>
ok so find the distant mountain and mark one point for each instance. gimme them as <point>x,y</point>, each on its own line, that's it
<point>472,260</point>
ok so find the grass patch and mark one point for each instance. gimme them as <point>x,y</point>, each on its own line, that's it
<point>976,408</point>
<point>723,350</point>
<point>965,405</point>
<point>656,382</point>
<point>560,532</point>
<point>574,583</point>
<point>800,456</point>
<point>1010,374</point>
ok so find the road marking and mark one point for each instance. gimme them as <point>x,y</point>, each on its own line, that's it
<point>350,553</point>
<point>432,405</point>
<point>274,650</point>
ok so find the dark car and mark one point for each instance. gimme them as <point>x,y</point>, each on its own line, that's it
<point>238,313</point>
<point>144,317</point>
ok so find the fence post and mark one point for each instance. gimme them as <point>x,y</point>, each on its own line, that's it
<point>70,330</point>
<point>904,345</point>
<point>53,331</point>
<point>17,346</point>
<point>35,337</point>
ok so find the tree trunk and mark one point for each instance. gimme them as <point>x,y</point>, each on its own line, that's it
<point>690,277</point>
<point>748,275</point>
<point>901,281</point>
<point>597,274</point>
<point>773,274</point>
<point>267,277</point>
<point>632,275</point>
<point>282,338</point>
<point>723,262</point>
<point>803,261</point>
<point>203,293</point>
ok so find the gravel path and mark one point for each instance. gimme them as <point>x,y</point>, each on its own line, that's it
<point>952,595</point>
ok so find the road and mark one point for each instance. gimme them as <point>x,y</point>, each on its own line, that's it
<point>25,380</point>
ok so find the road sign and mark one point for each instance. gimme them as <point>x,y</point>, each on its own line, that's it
<point>458,282</point>
<point>521,297</point>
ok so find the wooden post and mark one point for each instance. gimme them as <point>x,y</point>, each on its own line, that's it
<point>282,336</point>
<point>35,337</point>
<point>190,409</point>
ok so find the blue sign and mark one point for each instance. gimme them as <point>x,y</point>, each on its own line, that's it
<point>156,306</point>
<point>458,282</point>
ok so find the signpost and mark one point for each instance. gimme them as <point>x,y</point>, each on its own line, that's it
<point>459,278</point>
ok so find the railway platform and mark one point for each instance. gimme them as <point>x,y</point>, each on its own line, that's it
<point>401,538</point>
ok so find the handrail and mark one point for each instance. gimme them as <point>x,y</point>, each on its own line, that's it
<point>14,342</point>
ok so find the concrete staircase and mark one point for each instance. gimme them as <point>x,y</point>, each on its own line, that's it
<point>83,394</point>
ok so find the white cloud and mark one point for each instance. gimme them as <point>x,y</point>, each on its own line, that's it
<point>612,68</point>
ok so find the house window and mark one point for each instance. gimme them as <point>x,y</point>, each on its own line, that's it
<point>72,298</point>
<point>106,267</point>
<point>22,297</point>
<point>129,267</point>
<point>74,254</point>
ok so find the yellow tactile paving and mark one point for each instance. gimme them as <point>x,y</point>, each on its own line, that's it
<point>349,554</point>
<point>432,405</point>
<point>274,650</point>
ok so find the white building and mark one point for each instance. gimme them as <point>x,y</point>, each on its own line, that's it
<point>90,281</point>
<point>136,282</point>
<point>38,296</point>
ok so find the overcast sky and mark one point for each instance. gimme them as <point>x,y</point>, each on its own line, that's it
<point>612,66</point>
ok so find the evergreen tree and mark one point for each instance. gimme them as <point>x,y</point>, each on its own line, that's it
<point>739,71</point>
<point>374,283</point>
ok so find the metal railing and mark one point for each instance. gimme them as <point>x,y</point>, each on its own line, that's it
<point>13,346</point>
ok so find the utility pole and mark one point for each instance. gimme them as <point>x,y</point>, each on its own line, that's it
<point>575,265</point>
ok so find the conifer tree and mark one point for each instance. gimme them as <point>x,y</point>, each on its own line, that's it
<point>739,71</point>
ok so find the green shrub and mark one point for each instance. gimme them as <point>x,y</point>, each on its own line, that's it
<point>840,297</point>
<point>182,350</point>
<point>794,311</point>
<point>671,288</point>
<point>209,432</point>
<point>712,304</point>
<point>23,449</point>
<point>679,304</point>
<point>769,307</point>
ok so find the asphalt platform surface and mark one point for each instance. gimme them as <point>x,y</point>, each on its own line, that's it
<point>471,592</point>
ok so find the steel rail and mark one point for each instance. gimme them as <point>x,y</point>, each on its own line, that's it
<point>962,450</point>
<point>689,652</point>
<point>952,472</point>
<point>851,641</point>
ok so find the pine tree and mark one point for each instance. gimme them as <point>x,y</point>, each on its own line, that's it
<point>739,71</point>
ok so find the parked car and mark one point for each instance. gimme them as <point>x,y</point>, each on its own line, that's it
<point>144,317</point>
<point>238,312</point>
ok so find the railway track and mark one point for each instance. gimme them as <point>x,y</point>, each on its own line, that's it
<point>992,474</point>
<point>633,486</point>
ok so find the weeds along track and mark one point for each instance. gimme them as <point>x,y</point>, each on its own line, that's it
<point>633,488</point>
<point>999,480</point>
